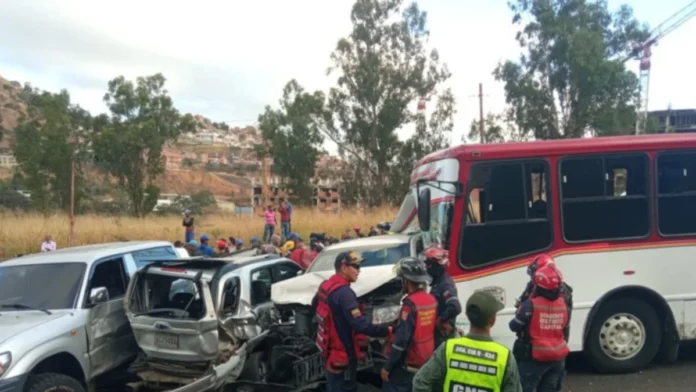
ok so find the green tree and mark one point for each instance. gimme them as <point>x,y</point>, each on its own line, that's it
<point>497,129</point>
<point>198,203</point>
<point>128,144</point>
<point>571,81</point>
<point>292,138</point>
<point>432,134</point>
<point>384,67</point>
<point>44,151</point>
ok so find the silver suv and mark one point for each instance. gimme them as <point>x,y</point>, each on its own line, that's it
<point>199,322</point>
<point>62,322</point>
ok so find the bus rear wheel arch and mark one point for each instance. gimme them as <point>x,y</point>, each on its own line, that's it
<point>626,330</point>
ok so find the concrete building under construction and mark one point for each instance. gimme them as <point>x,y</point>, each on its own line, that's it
<point>324,196</point>
<point>677,121</point>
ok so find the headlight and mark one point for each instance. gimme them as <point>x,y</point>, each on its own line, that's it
<point>385,314</point>
<point>5,361</point>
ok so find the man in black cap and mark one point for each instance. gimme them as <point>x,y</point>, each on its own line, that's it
<point>474,361</point>
<point>342,328</point>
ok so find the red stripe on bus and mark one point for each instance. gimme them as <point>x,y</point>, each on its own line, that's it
<point>596,248</point>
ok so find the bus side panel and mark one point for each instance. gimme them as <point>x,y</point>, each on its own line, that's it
<point>592,274</point>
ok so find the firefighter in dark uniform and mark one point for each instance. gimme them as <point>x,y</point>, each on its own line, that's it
<point>413,340</point>
<point>445,292</point>
<point>565,291</point>
<point>341,326</point>
<point>541,347</point>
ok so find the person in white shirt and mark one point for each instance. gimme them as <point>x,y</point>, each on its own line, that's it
<point>180,250</point>
<point>48,245</point>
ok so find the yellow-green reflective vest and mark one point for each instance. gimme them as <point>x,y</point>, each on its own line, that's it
<point>475,365</point>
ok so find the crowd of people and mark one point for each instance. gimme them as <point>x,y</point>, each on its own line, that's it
<point>287,243</point>
<point>294,247</point>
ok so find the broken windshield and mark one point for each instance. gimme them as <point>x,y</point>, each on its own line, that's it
<point>167,296</point>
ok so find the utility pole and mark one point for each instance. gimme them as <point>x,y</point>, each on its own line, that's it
<point>481,126</point>
<point>71,234</point>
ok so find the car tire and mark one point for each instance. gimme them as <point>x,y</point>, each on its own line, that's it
<point>255,368</point>
<point>52,382</point>
<point>624,336</point>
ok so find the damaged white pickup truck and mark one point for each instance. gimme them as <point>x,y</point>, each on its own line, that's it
<point>293,357</point>
<point>199,322</point>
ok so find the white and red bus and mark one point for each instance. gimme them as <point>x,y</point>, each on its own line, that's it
<point>618,214</point>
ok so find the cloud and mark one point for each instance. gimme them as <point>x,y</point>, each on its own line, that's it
<point>228,59</point>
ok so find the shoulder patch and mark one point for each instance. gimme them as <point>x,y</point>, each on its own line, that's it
<point>404,315</point>
<point>446,293</point>
<point>356,313</point>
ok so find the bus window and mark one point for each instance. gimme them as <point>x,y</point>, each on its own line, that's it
<point>507,214</point>
<point>676,193</point>
<point>605,198</point>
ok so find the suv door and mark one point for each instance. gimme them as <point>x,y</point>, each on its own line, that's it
<point>109,336</point>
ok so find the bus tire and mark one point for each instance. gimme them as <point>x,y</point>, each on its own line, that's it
<point>625,335</point>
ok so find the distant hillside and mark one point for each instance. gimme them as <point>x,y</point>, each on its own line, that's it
<point>217,157</point>
<point>186,182</point>
<point>12,107</point>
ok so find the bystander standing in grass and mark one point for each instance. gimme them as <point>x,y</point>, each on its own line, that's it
<point>48,245</point>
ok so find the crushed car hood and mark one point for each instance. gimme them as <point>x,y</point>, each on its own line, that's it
<point>301,290</point>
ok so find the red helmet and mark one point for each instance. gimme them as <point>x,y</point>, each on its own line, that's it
<point>540,261</point>
<point>222,244</point>
<point>547,278</point>
<point>356,228</point>
<point>436,255</point>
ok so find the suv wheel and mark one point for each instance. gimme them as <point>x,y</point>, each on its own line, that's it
<point>52,382</point>
<point>255,368</point>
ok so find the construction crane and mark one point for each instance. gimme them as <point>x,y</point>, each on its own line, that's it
<point>643,52</point>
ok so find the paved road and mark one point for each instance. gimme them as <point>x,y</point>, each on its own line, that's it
<point>677,377</point>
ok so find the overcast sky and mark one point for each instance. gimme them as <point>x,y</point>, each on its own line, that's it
<point>227,59</point>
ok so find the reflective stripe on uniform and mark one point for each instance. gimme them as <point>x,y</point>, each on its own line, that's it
<point>550,308</point>
<point>475,364</point>
<point>555,348</point>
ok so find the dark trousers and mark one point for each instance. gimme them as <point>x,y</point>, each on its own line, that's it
<point>542,376</point>
<point>284,230</point>
<point>268,231</point>
<point>399,381</point>
<point>336,382</point>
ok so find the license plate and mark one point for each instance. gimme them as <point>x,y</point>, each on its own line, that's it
<point>166,341</point>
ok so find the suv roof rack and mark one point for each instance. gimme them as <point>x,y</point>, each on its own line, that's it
<point>208,262</point>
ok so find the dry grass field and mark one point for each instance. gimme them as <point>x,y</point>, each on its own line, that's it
<point>23,233</point>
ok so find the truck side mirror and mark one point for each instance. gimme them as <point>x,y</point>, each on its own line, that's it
<point>98,295</point>
<point>424,210</point>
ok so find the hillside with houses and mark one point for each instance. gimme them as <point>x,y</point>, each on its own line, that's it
<point>214,157</point>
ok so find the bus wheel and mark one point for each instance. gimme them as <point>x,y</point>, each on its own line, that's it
<point>624,336</point>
